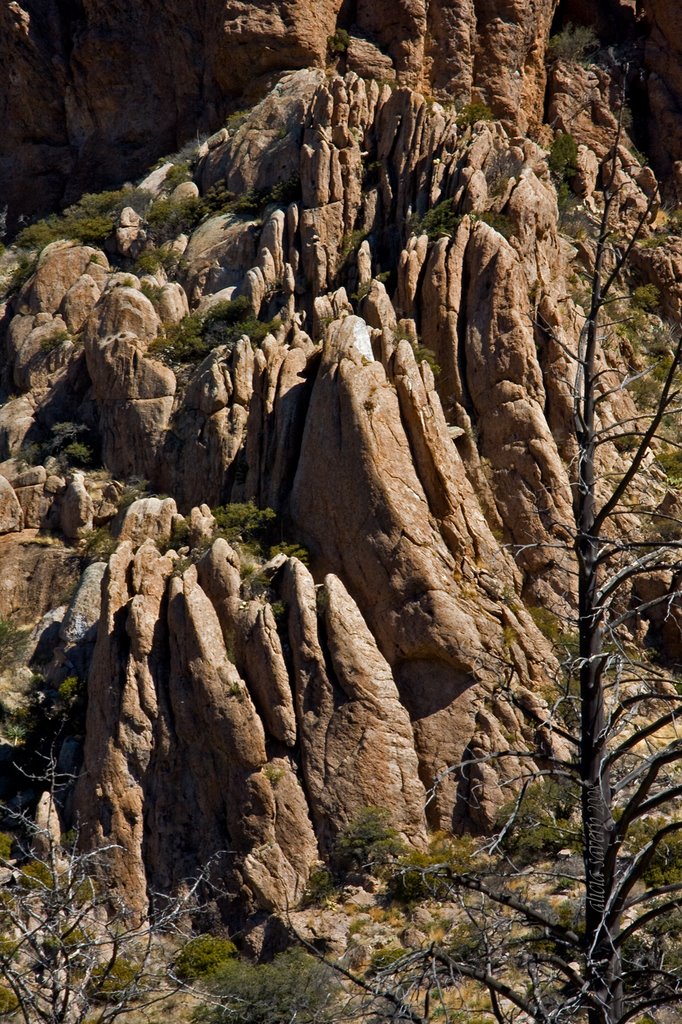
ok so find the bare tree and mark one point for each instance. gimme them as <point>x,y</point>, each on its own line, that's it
<point>70,949</point>
<point>606,952</point>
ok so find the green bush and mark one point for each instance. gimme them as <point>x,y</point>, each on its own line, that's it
<point>470,114</point>
<point>573,43</point>
<point>563,157</point>
<point>67,444</point>
<point>8,1001</point>
<point>441,221</point>
<point>203,956</point>
<point>294,987</point>
<point>499,222</point>
<point>182,342</point>
<point>54,341</point>
<point>196,335</point>
<point>674,222</point>
<point>21,273</point>
<point>13,641</point>
<point>426,355</point>
<point>177,175</point>
<point>151,260</point>
<point>98,545</point>
<point>219,200</point>
<point>543,824</point>
<point>245,523</point>
<point>36,875</point>
<point>111,982</point>
<point>414,877</point>
<point>552,628</point>
<point>6,842</point>
<point>385,957</point>
<point>368,841</point>
<point>291,551</point>
<point>79,454</point>
<point>339,42</point>
<point>670,461</point>
<point>90,220</point>
<point>179,536</point>
<point>169,218</point>
<point>666,865</point>
<point>320,890</point>
<point>646,298</point>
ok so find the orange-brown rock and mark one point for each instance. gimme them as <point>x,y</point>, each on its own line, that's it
<point>35,576</point>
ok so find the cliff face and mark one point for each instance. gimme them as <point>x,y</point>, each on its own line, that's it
<point>97,90</point>
<point>252,704</point>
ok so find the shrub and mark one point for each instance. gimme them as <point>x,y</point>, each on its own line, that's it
<point>71,703</point>
<point>21,273</point>
<point>36,875</point>
<point>192,339</point>
<point>151,260</point>
<point>646,298</point>
<point>470,114</point>
<point>670,461</point>
<point>6,841</point>
<point>177,175</point>
<point>563,157</point>
<point>320,889</point>
<point>111,982</point>
<point>98,545</point>
<point>368,840</point>
<point>245,523</point>
<point>542,825</point>
<point>54,341</point>
<point>339,42</point>
<point>79,454</point>
<point>497,221</point>
<point>412,881</point>
<point>385,957</point>
<point>219,199</point>
<point>8,1001</point>
<point>13,641</point>
<point>413,878</point>
<point>666,865</point>
<point>551,627</point>
<point>151,292</point>
<point>169,218</point>
<point>573,43</point>
<point>294,987</point>
<point>426,355</point>
<point>90,220</point>
<point>291,551</point>
<point>441,221</point>
<point>67,444</point>
<point>254,200</point>
<point>179,535</point>
<point>202,956</point>
<point>349,243</point>
<point>182,342</point>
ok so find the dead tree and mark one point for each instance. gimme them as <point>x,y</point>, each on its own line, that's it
<point>70,949</point>
<point>609,957</point>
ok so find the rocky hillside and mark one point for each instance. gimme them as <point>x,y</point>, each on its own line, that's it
<point>287,428</point>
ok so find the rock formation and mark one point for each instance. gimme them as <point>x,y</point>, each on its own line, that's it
<point>395,385</point>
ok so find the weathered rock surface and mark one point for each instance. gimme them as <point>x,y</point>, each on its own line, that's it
<point>35,576</point>
<point>73,106</point>
<point>11,514</point>
<point>407,413</point>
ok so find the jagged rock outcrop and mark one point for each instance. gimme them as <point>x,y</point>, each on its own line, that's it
<point>197,761</point>
<point>73,106</point>
<point>407,413</point>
